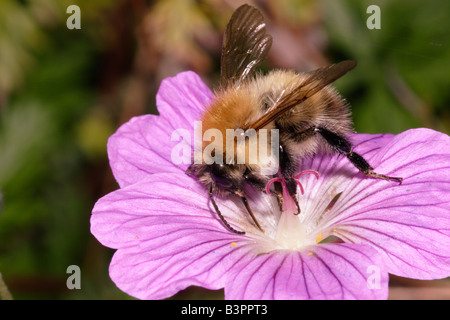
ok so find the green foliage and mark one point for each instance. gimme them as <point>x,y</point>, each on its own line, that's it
<point>44,224</point>
<point>402,67</point>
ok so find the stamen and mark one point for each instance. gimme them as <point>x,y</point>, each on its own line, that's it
<point>319,237</point>
<point>330,205</point>
<point>332,202</point>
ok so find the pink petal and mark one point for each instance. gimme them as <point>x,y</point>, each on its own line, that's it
<point>187,260</point>
<point>135,152</point>
<point>167,236</point>
<point>409,223</point>
<point>143,145</point>
<point>159,204</point>
<point>169,239</point>
<point>328,271</point>
<point>182,99</point>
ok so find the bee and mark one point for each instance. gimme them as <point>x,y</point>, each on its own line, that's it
<point>310,116</point>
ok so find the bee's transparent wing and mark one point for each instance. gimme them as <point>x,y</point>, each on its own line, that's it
<point>245,45</point>
<point>292,96</point>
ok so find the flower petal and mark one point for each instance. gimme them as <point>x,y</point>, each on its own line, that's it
<point>167,236</point>
<point>369,144</point>
<point>337,176</point>
<point>144,145</point>
<point>134,153</point>
<point>159,204</point>
<point>192,259</point>
<point>328,271</point>
<point>409,223</point>
<point>182,99</point>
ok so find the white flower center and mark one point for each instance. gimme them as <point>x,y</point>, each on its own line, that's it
<point>291,233</point>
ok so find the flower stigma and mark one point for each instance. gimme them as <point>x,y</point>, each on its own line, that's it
<point>292,232</point>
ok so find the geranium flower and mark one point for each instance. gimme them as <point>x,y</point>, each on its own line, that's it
<point>352,232</point>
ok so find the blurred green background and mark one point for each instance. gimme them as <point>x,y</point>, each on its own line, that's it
<point>64,92</point>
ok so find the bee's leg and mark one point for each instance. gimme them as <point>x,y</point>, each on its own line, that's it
<point>279,193</point>
<point>344,147</point>
<point>288,164</point>
<point>259,182</point>
<point>292,189</point>
<point>249,210</point>
<point>225,222</point>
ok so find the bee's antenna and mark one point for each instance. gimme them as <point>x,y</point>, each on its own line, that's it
<point>225,222</point>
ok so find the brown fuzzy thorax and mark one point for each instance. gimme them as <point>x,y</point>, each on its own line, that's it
<point>236,108</point>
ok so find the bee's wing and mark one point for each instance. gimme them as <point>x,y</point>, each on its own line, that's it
<point>292,96</point>
<point>245,45</point>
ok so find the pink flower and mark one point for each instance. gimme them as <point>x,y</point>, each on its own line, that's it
<point>168,237</point>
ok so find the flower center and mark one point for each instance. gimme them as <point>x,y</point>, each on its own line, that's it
<point>291,232</point>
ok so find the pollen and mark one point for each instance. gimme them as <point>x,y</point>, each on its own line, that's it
<point>319,237</point>
<point>233,244</point>
<point>310,253</point>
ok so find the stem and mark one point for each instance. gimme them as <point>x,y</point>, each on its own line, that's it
<point>4,292</point>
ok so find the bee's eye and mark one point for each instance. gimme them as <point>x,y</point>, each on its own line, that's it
<point>219,174</point>
<point>218,169</point>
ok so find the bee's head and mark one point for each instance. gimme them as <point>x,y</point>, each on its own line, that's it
<point>227,178</point>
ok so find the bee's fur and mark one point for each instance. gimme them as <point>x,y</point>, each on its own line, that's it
<point>238,107</point>
<point>310,115</point>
